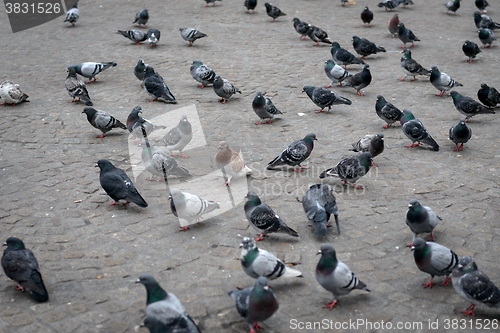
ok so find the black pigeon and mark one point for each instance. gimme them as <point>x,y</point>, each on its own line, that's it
<point>140,69</point>
<point>389,4</point>
<point>156,87</point>
<point>387,111</point>
<point>301,27</point>
<point>359,80</point>
<point>460,134</point>
<point>102,120</point>
<point>20,265</point>
<point>344,57</point>
<point>481,5</point>
<point>141,17</point>
<point>318,35</point>
<point>412,67</point>
<point>118,185</point>
<point>486,36</point>
<point>489,96</point>
<point>250,4</point>
<point>442,81</point>
<point>470,50</point>
<point>373,143</point>
<point>406,35</point>
<point>366,16</point>
<point>484,21</point>
<point>264,108</point>
<point>350,169</point>
<point>453,6</point>
<point>295,153</point>
<point>415,131</point>
<point>153,36</point>
<point>468,106</point>
<point>135,36</point>
<point>319,203</point>
<point>323,97</point>
<point>273,11</point>
<point>364,47</point>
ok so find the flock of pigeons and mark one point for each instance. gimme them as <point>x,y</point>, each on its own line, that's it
<point>164,312</point>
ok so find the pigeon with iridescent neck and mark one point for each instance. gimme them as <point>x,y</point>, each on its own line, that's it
<point>323,97</point>
<point>415,131</point>
<point>264,108</point>
<point>411,67</point>
<point>296,153</point>
<point>387,111</point>
<point>421,219</point>
<point>460,134</point>
<point>350,169</point>
<point>442,81</point>
<point>468,106</point>
<point>142,17</point>
<point>335,73</point>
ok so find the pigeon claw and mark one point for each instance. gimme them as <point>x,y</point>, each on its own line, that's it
<point>459,147</point>
<point>446,281</point>
<point>201,86</point>
<point>413,145</point>
<point>360,93</point>
<point>431,237</point>
<point>440,94</point>
<point>20,288</point>
<point>260,237</point>
<point>186,228</point>
<point>223,100</point>
<point>319,111</point>
<point>428,284</point>
<point>386,126</point>
<point>183,155</point>
<point>101,136</point>
<point>469,311</point>
<point>331,305</point>
<point>402,79</point>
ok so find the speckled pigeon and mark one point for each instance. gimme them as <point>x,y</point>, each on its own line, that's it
<point>76,88</point>
<point>142,17</point>
<point>343,57</point>
<point>415,131</point>
<point>134,122</point>
<point>486,36</point>
<point>224,89</point>
<point>191,34</point>
<point>264,108</point>
<point>335,73</point>
<point>489,96</point>
<point>460,134</point>
<point>411,67</point>
<point>11,93</point>
<point>273,11</point>
<point>420,219</point>
<point>296,153</point>
<point>359,80</point>
<point>91,69</point>
<point>301,27</point>
<point>387,111</point>
<point>323,97</point>
<point>156,87</point>
<point>202,73</point>
<point>442,81</point>
<point>318,35</point>
<point>319,203</point>
<point>468,106</point>
<point>406,35</point>
<point>364,47</point>
<point>350,169</point>
<point>102,120</point>
<point>190,207</point>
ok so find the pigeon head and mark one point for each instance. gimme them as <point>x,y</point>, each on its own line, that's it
<point>177,197</point>
<point>418,244</point>
<point>465,265</point>
<point>296,20</point>
<point>407,116</point>
<point>248,243</point>
<point>355,38</point>
<point>135,111</point>
<point>484,86</point>
<point>328,260</point>
<point>253,199</point>
<point>413,203</point>
<point>434,68</point>
<point>454,94</point>
<point>154,291</point>
<point>380,97</point>
<point>149,71</point>
<point>335,46</point>
<point>309,138</point>
<point>89,111</point>
<point>308,90</point>
<point>104,165</point>
<point>262,283</point>
<point>222,145</point>
<point>196,62</point>
<point>14,243</point>
<point>71,71</point>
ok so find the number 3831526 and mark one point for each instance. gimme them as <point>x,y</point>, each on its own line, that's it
<point>32,8</point>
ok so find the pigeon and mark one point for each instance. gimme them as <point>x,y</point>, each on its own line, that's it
<point>350,169</point>
<point>153,36</point>
<point>76,88</point>
<point>486,36</point>
<point>296,153</point>
<point>318,35</point>
<point>489,96</point>
<point>415,131</point>
<point>231,162</point>
<point>452,6</point>
<point>470,50</point>
<point>420,219</point>
<point>484,21</point>
<point>323,97</point>
<point>460,134</point>
<point>273,11</point>
<point>359,80</point>
<point>11,93</point>
<point>179,137</point>
<point>319,203</point>
<point>343,57</point>
<point>118,185</point>
<point>468,106</point>
<point>263,218</point>
<point>257,262</point>
<point>160,164</point>
<point>387,111</point>
<point>364,47</point>
<point>156,87</point>
<point>474,286</point>
<point>394,25</point>
<point>73,14</point>
<point>142,17</point>
<point>250,4</point>
<point>224,89</point>
<point>102,120</point>
<point>367,16</point>
<point>91,69</point>
<point>442,81</point>
<point>301,27</point>
<point>481,5</point>
<point>411,67</point>
<point>135,124</point>
<point>373,143</point>
<point>140,69</point>
<point>20,265</point>
<point>333,275</point>
<point>256,303</point>
<point>211,1</point>
<point>335,73</point>
<point>135,36</point>
<point>406,35</point>
<point>389,4</point>
<point>434,259</point>
<point>202,73</point>
<point>191,34</point>
<point>190,207</point>
<point>154,325</point>
<point>165,308</point>
<point>264,108</point>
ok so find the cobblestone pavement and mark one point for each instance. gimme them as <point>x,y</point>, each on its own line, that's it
<point>90,253</point>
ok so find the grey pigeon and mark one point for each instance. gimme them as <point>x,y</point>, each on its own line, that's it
<point>161,165</point>
<point>224,89</point>
<point>263,218</point>
<point>474,286</point>
<point>250,5</point>
<point>202,73</point>
<point>335,276</point>
<point>165,308</point>
<point>256,303</point>
<point>323,97</point>
<point>406,35</point>
<point>434,259</point>
<point>273,11</point>
<point>319,203</point>
<point>231,162</point>
<point>296,153</point>
<point>452,6</point>
<point>135,36</point>
<point>486,36</point>
<point>20,265</point>
<point>153,36</point>
<point>359,80</point>
<point>318,35</point>
<point>140,70</point>
<point>481,5</point>
<point>73,14</point>
<point>394,25</point>
<point>420,219</point>
<point>301,27</point>
<point>373,143</point>
<point>411,67</point>
<point>135,124</point>
<point>415,131</point>
<point>154,325</point>
<point>335,73</point>
<point>389,4</point>
<point>387,111</point>
<point>11,93</point>
<point>470,50</point>
<point>367,16</point>
<point>343,57</point>
<point>264,108</point>
<point>489,96</point>
<point>364,47</point>
<point>442,81</point>
<point>91,69</point>
<point>179,137</point>
<point>257,262</point>
<point>460,134</point>
<point>76,88</point>
<point>156,87</point>
<point>142,17</point>
<point>191,34</point>
<point>350,169</point>
<point>211,1</point>
<point>484,21</point>
<point>102,120</point>
<point>190,207</point>
<point>118,185</point>
<point>468,106</point>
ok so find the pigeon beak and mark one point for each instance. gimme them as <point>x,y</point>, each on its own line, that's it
<point>265,287</point>
<point>241,245</point>
<point>138,281</point>
<point>169,197</point>
<point>96,165</point>
<point>412,248</point>
<point>319,252</point>
<point>4,244</point>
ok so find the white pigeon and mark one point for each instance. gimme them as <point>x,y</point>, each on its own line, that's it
<point>231,161</point>
<point>73,14</point>
<point>10,93</point>
<point>189,207</point>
